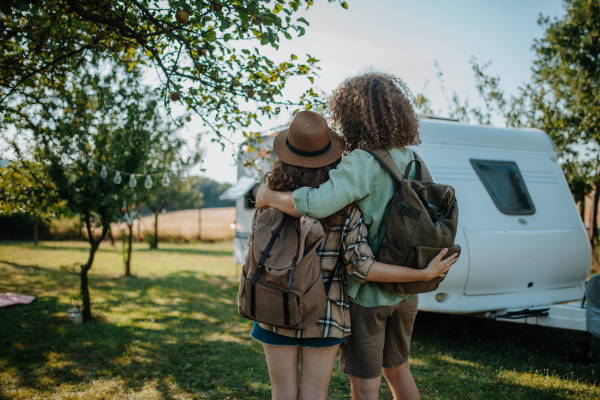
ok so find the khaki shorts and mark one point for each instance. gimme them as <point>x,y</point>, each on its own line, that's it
<point>380,338</point>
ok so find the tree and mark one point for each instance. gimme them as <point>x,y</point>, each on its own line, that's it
<point>203,51</point>
<point>169,152</point>
<point>566,79</point>
<point>78,130</point>
<point>25,193</point>
<point>562,98</point>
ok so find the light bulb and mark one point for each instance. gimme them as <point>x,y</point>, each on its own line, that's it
<point>165,180</point>
<point>103,172</point>
<point>148,182</point>
<point>117,178</point>
<point>183,176</point>
<point>132,181</point>
<point>90,165</point>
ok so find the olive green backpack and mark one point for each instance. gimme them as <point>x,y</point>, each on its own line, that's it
<point>419,221</point>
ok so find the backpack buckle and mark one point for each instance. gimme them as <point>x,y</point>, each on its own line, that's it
<point>403,208</point>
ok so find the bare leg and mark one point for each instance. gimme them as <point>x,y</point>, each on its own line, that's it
<point>365,389</point>
<point>402,383</point>
<point>283,371</point>
<point>315,373</point>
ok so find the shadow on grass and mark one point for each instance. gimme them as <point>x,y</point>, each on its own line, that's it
<point>171,335</point>
<point>179,335</point>
<point>473,358</point>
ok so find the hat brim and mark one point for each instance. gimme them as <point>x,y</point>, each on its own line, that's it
<point>285,154</point>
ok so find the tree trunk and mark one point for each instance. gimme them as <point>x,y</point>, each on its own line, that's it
<point>129,246</point>
<point>594,216</point>
<point>86,312</point>
<point>154,243</point>
<point>111,237</point>
<point>582,209</point>
<point>36,225</point>
<point>200,224</point>
<point>139,228</point>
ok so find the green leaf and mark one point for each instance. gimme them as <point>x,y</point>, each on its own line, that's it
<point>227,37</point>
<point>344,5</point>
<point>211,36</point>
<point>304,21</point>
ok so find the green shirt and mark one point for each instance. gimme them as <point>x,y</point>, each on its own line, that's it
<point>358,178</point>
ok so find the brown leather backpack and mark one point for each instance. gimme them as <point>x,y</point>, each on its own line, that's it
<point>420,220</point>
<point>281,282</point>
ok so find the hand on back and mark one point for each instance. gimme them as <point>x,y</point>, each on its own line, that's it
<point>262,196</point>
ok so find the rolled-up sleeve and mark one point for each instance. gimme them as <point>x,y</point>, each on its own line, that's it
<point>346,185</point>
<point>358,255</point>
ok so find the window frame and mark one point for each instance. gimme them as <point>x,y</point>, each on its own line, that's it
<point>488,187</point>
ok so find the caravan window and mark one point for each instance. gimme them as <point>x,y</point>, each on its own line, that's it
<point>504,183</point>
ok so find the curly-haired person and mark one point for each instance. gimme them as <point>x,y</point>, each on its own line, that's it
<point>372,110</point>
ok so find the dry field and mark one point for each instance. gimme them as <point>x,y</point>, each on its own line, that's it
<point>208,224</point>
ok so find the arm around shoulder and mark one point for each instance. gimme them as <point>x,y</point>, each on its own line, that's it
<point>265,197</point>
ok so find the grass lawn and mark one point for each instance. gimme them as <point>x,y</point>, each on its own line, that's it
<point>172,332</point>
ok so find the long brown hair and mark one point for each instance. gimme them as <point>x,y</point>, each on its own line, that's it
<point>287,178</point>
<point>375,110</point>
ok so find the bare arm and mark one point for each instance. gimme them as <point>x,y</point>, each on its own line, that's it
<point>279,200</point>
<point>381,272</point>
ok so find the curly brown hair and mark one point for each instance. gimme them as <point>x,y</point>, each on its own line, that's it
<point>285,177</point>
<point>374,110</point>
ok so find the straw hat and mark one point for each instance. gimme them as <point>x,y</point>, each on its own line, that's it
<point>308,142</point>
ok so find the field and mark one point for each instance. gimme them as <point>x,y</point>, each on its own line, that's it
<point>185,226</point>
<point>172,332</point>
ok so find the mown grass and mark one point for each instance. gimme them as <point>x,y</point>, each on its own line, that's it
<point>172,332</point>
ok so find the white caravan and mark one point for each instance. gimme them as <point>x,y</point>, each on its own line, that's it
<point>524,246</point>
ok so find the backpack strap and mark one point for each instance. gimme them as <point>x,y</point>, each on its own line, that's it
<point>267,250</point>
<point>295,259</point>
<point>385,159</point>
<point>261,262</point>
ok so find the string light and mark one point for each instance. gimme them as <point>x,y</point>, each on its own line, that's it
<point>148,183</point>
<point>165,180</point>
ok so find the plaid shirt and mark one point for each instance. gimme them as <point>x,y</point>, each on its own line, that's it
<point>344,247</point>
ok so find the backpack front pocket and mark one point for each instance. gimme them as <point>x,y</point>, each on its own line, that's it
<point>272,305</point>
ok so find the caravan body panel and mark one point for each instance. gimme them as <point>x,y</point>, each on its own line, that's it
<point>540,252</point>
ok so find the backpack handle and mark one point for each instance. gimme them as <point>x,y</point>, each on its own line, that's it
<point>421,170</point>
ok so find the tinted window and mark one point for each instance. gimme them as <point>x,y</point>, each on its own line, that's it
<point>505,185</point>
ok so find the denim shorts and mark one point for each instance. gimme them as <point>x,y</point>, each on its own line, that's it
<point>275,339</point>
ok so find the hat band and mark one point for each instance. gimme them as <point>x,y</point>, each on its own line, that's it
<point>308,153</point>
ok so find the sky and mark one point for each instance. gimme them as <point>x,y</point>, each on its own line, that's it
<point>406,38</point>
